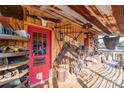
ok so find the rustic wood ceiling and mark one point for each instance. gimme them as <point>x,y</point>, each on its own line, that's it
<point>118,12</point>
<point>105,19</point>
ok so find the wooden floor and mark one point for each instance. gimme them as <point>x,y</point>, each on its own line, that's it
<point>44,85</point>
<point>95,76</point>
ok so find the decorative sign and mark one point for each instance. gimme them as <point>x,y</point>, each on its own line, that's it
<point>44,22</point>
<point>39,76</point>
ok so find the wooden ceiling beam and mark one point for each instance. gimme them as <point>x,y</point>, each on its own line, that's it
<point>50,11</point>
<point>82,10</point>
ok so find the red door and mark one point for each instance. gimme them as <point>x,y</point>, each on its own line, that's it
<point>40,54</point>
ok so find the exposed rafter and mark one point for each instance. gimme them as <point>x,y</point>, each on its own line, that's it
<point>82,10</point>
<point>72,16</point>
<point>104,18</point>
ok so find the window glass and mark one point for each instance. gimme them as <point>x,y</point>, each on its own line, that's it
<point>39,44</point>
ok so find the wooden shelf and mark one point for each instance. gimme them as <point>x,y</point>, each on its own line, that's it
<point>6,80</point>
<point>3,68</point>
<point>13,65</point>
<point>3,55</point>
<point>21,84</point>
<point>18,75</point>
<point>11,37</point>
<point>22,74</point>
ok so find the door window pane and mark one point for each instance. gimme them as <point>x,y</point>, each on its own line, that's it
<point>38,61</point>
<point>39,44</point>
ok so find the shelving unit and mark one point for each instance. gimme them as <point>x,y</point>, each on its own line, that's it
<point>22,84</point>
<point>13,54</point>
<point>11,37</point>
<point>17,76</point>
<point>8,66</point>
<point>13,65</point>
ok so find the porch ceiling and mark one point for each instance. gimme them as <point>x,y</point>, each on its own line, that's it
<point>105,19</point>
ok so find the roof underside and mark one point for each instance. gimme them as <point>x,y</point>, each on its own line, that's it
<point>106,19</point>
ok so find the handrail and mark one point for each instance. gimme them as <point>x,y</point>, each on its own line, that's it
<point>111,50</point>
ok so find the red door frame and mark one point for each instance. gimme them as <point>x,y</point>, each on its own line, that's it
<point>44,68</point>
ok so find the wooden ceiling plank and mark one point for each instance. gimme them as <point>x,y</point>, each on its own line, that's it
<point>86,13</point>
<point>80,22</point>
<point>118,13</point>
<point>106,17</point>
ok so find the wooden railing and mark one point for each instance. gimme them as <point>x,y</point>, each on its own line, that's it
<point>117,55</point>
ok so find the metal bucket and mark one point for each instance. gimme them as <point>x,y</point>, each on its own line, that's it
<point>61,74</point>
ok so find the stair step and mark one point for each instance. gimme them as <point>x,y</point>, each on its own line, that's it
<point>120,78</point>
<point>114,71</point>
<point>92,82</point>
<point>104,84</point>
<point>98,82</point>
<point>108,84</point>
<point>111,85</point>
<point>107,73</point>
<point>103,70</point>
<point>116,75</point>
<point>106,70</point>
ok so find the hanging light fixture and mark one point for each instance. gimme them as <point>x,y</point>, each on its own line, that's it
<point>60,36</point>
<point>87,26</point>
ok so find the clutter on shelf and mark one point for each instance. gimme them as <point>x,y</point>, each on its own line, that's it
<point>19,59</point>
<point>6,30</point>
<point>11,49</point>
<point>23,34</point>
<point>13,58</point>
